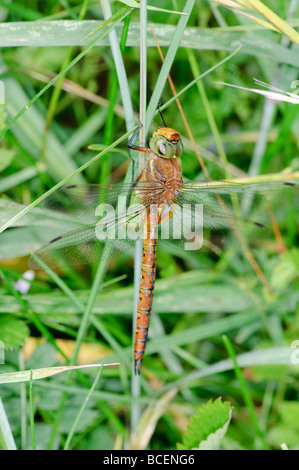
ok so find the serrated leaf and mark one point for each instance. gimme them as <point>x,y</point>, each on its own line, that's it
<point>214,439</point>
<point>13,332</point>
<point>208,426</point>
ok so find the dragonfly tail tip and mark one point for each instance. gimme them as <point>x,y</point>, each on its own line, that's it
<point>137,366</point>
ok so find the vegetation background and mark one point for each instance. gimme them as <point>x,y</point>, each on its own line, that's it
<point>208,306</point>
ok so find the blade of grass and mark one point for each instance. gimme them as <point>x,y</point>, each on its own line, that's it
<point>100,272</point>
<point>213,126</point>
<point>117,52</point>
<point>268,110</point>
<point>119,16</point>
<point>38,374</point>
<point>122,356</point>
<point>17,178</point>
<point>57,89</point>
<point>135,380</point>
<point>165,69</point>
<point>193,82</point>
<point>246,250</point>
<point>31,404</point>
<point>80,412</point>
<point>134,4</point>
<point>274,19</point>
<point>30,313</point>
<point>118,74</point>
<point>6,438</point>
<point>65,4</point>
<point>99,155</point>
<point>194,146</point>
<point>23,403</point>
<point>81,333</point>
<point>109,397</point>
<point>23,12</point>
<point>68,33</point>
<point>244,389</point>
<point>270,356</point>
<point>63,182</point>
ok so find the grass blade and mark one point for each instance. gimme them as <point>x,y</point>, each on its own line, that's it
<point>6,438</point>
<point>80,412</point>
<point>245,392</point>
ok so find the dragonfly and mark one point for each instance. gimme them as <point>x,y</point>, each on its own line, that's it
<point>159,204</point>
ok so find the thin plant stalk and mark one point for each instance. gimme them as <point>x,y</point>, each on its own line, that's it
<point>98,279</point>
<point>268,111</point>
<point>6,437</point>
<point>32,428</point>
<point>135,383</point>
<point>80,412</point>
<point>244,389</point>
<point>23,402</point>
<point>119,17</point>
<point>112,146</point>
<point>169,58</point>
<point>57,90</point>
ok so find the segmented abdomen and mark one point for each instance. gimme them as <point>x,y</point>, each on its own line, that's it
<point>146,292</point>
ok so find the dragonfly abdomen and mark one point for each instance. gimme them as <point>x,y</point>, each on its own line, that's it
<point>146,292</point>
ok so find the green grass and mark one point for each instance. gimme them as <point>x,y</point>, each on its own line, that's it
<point>67,89</point>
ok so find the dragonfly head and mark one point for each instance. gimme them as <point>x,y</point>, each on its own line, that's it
<point>166,143</point>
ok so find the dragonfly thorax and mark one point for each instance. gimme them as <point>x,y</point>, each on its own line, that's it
<point>166,143</point>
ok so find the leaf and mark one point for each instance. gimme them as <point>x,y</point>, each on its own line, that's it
<point>24,375</point>
<point>269,356</point>
<point>287,429</point>
<point>13,332</point>
<point>134,4</point>
<point>182,293</point>
<point>70,33</point>
<point>274,95</point>
<point>286,270</point>
<point>208,426</point>
<point>149,419</point>
<point>7,440</point>
<point>6,157</point>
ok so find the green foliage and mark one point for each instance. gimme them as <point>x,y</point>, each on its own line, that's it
<point>13,332</point>
<point>208,426</point>
<point>85,313</point>
<point>287,428</point>
<point>286,270</point>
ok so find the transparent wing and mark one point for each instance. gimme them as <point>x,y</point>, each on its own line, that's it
<point>81,202</point>
<point>229,187</point>
<point>224,201</point>
<point>200,208</point>
<point>114,233</point>
<point>205,211</point>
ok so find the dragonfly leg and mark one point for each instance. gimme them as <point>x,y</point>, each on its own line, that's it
<point>133,146</point>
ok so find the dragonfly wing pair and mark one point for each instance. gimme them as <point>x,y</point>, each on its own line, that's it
<point>200,208</point>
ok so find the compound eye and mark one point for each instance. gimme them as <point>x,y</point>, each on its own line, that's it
<point>162,149</point>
